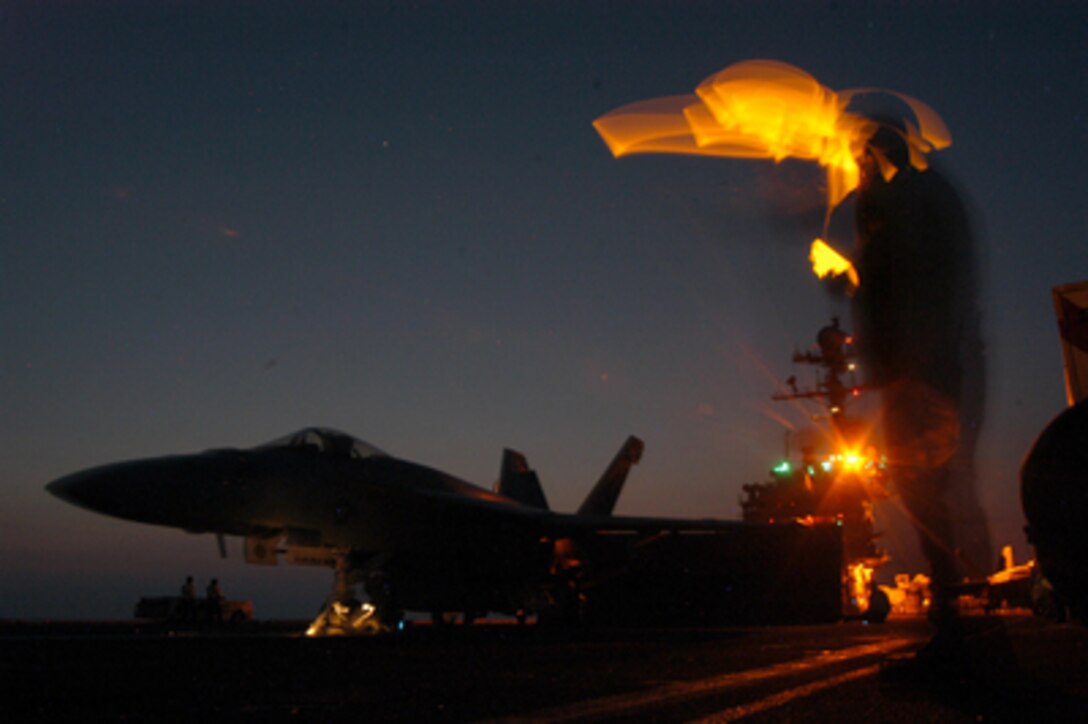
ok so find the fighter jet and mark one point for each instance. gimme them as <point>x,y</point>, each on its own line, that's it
<point>414,538</point>
<point>419,539</point>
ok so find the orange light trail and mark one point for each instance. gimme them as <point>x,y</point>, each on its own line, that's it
<point>827,261</point>
<point>773,110</point>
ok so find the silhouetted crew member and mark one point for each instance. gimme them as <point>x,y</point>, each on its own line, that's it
<point>879,605</point>
<point>215,601</point>
<point>919,335</point>
<point>188,598</point>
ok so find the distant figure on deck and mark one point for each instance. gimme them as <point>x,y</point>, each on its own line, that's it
<point>879,605</point>
<point>920,340</point>
<point>215,601</point>
<point>188,599</point>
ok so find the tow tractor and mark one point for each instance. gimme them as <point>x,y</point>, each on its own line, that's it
<point>176,610</point>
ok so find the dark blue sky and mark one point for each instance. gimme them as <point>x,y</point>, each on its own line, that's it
<point>220,224</point>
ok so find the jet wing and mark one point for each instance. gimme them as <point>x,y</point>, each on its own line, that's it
<point>569,526</point>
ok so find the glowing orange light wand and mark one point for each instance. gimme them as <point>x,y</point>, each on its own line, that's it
<point>767,109</point>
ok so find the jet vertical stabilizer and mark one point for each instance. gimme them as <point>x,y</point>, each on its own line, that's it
<point>602,499</point>
<point>519,482</point>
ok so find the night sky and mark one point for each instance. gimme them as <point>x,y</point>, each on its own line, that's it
<point>223,222</point>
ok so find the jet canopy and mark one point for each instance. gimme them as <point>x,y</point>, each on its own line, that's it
<point>327,442</point>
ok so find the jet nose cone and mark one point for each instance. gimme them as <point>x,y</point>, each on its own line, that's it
<point>123,490</point>
<point>177,490</point>
<point>85,489</point>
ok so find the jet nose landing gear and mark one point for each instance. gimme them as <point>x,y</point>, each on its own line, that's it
<point>347,619</point>
<point>344,615</point>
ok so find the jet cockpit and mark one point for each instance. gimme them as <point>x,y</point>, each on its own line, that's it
<point>326,441</point>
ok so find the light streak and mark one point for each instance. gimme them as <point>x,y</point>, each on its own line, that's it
<point>772,110</point>
<point>826,261</point>
<point>646,699</point>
